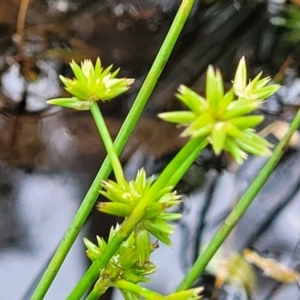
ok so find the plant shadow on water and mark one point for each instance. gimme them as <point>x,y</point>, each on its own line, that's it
<point>49,156</point>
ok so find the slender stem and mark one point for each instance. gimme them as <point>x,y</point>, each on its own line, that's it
<point>20,25</point>
<point>239,209</point>
<point>126,129</point>
<point>174,171</point>
<point>137,289</point>
<point>99,289</point>
<point>94,295</point>
<point>187,154</point>
<point>108,143</point>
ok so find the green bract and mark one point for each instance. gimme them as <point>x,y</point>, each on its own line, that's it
<point>257,89</point>
<point>222,117</point>
<point>91,83</point>
<point>124,199</point>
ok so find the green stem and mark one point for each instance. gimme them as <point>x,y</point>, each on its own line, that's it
<point>94,295</point>
<point>108,143</point>
<point>99,289</point>
<point>184,162</point>
<point>238,210</point>
<point>126,129</point>
<point>174,171</point>
<point>187,154</point>
<point>137,289</point>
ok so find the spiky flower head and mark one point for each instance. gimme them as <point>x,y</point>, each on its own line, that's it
<point>124,270</point>
<point>125,262</point>
<point>223,118</point>
<point>91,83</point>
<point>124,198</point>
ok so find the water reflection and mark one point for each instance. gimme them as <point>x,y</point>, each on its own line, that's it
<point>36,209</point>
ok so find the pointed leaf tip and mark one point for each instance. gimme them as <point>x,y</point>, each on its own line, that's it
<point>240,79</point>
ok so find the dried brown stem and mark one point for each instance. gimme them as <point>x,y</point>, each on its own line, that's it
<point>19,37</point>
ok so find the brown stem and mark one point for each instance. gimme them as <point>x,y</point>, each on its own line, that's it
<point>21,24</point>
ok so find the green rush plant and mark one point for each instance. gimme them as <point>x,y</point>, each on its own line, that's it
<point>221,119</point>
<point>291,22</point>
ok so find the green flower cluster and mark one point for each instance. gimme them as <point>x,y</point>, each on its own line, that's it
<point>125,197</point>
<point>124,271</point>
<point>91,83</point>
<point>123,265</point>
<point>222,117</point>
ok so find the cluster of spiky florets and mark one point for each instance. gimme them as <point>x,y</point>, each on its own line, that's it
<point>91,83</point>
<point>126,196</point>
<point>223,118</point>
